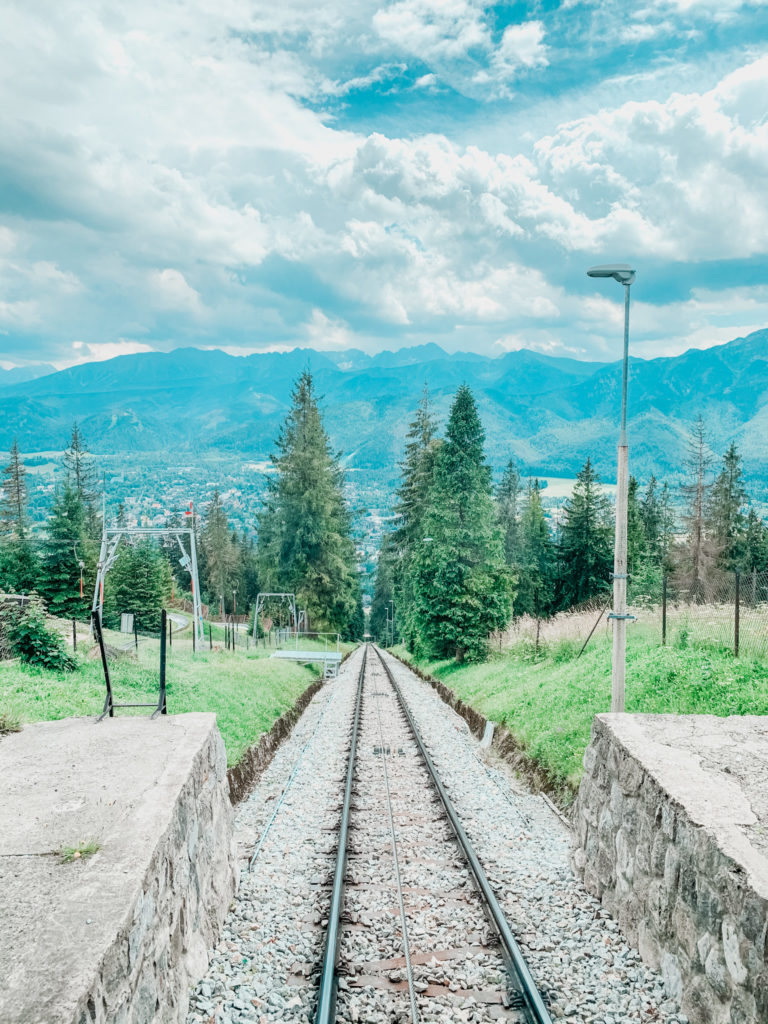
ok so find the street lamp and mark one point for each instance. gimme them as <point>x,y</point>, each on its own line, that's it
<point>625,275</point>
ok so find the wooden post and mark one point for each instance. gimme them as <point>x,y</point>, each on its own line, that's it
<point>135,633</point>
<point>736,617</point>
<point>664,609</point>
<point>74,634</point>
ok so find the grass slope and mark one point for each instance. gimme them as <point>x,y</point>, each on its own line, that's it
<point>246,691</point>
<point>548,702</point>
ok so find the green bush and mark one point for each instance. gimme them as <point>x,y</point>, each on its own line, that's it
<point>33,642</point>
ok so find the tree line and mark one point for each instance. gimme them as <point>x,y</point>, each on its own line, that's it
<point>463,558</point>
<point>146,575</point>
<point>305,539</point>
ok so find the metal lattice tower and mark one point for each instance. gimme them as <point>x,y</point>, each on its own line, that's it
<point>263,597</point>
<point>110,541</point>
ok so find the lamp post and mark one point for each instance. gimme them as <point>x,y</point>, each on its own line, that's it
<point>625,275</point>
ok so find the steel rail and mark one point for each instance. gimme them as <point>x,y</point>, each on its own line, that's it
<point>326,1004</point>
<point>398,877</point>
<point>522,978</point>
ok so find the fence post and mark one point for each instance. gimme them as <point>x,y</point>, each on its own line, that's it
<point>74,634</point>
<point>170,632</point>
<point>161,704</point>
<point>736,618</point>
<point>663,609</point>
<point>135,633</point>
<point>210,637</point>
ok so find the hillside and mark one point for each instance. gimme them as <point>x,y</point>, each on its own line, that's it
<point>192,400</point>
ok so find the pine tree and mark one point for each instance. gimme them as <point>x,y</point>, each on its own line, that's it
<point>726,518</point>
<point>462,588</point>
<point>417,475</point>
<point>507,500</point>
<point>585,551</point>
<point>536,557</point>
<point>18,558</point>
<point>305,531</point>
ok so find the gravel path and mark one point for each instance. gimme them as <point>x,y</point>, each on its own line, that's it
<point>266,965</point>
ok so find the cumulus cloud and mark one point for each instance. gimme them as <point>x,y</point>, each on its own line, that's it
<point>327,333</point>
<point>170,290</point>
<point>189,165</point>
<point>87,352</point>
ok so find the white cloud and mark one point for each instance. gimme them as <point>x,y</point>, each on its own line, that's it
<point>379,74</point>
<point>171,291</point>
<point>24,313</point>
<point>99,351</point>
<point>433,29</point>
<point>682,179</point>
<point>522,46</point>
<point>327,333</point>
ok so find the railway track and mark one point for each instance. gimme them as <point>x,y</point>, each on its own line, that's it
<point>415,931</point>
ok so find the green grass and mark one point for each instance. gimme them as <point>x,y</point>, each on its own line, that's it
<point>247,691</point>
<point>548,701</point>
<point>82,850</point>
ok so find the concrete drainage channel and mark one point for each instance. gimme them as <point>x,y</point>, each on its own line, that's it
<point>267,965</point>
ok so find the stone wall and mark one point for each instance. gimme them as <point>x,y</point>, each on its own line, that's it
<point>671,836</point>
<point>118,937</point>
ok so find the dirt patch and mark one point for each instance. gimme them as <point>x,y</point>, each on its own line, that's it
<point>244,775</point>
<point>538,778</point>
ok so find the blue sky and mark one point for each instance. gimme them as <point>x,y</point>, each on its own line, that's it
<point>257,176</point>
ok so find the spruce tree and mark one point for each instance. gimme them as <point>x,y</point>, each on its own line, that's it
<point>462,587</point>
<point>417,475</point>
<point>138,583</point>
<point>726,516</point>
<point>80,474</point>
<point>755,547</point>
<point>18,557</point>
<point>383,592</point>
<point>536,557</point>
<point>585,550</point>
<point>66,543</point>
<point>507,500</point>
<point>305,541</point>
<point>221,569</point>
<point>650,516</point>
<point>637,548</point>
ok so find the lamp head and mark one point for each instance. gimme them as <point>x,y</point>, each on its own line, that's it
<point>621,272</point>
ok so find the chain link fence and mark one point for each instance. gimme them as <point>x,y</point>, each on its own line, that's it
<point>724,610</point>
<point>728,610</point>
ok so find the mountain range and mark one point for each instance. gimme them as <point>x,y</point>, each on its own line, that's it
<point>549,413</point>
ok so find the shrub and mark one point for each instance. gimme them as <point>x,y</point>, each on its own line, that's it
<point>33,642</point>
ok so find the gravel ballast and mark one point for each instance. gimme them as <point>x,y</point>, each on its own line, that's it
<point>266,965</point>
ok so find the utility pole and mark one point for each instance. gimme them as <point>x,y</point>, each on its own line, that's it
<point>625,275</point>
